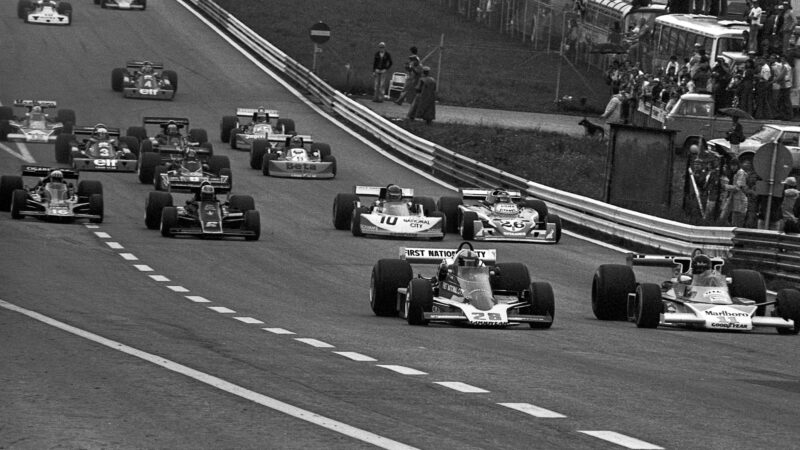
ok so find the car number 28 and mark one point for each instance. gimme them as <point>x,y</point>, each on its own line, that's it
<point>486,316</point>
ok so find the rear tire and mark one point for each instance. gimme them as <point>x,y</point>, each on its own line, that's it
<point>8,184</point>
<point>428,205</point>
<point>156,202</point>
<point>787,306</point>
<point>169,220</point>
<point>323,149</point>
<point>513,277</point>
<point>132,143</point>
<point>449,206</point>
<point>610,288</point>
<point>139,133</point>
<point>198,135</point>
<point>172,76</point>
<point>542,303</point>
<point>66,117</point>
<point>257,152</point>
<point>387,276</point>
<point>218,162</point>
<point>343,206</point>
<point>419,301</point>
<point>243,203</point>
<point>647,307</point>
<point>87,188</point>
<point>64,148</point>
<point>286,124</point>
<point>23,6</point>
<point>538,205</point>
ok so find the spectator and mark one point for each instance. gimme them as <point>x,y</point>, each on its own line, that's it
<point>381,64</point>
<point>424,106</point>
<point>710,189</point>
<point>790,194</point>
<point>746,87</point>
<point>789,23</point>
<point>783,101</point>
<point>735,136</point>
<point>702,76</point>
<point>672,68</point>
<point>413,74</point>
<point>751,216</point>
<point>613,112</point>
<point>720,79</point>
<point>736,205</point>
<point>754,19</point>
<point>773,29</point>
<point>763,106</point>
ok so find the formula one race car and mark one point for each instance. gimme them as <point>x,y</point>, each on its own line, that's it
<point>169,144</point>
<point>144,79</point>
<point>697,296</point>
<point>396,213</point>
<point>98,148</point>
<point>45,12</point>
<point>141,5</point>
<point>203,215</point>
<point>53,197</point>
<point>35,125</point>
<point>500,215</point>
<point>293,157</point>
<point>250,124</point>
<point>468,288</point>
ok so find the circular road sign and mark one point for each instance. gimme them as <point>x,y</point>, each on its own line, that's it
<point>762,161</point>
<point>320,33</point>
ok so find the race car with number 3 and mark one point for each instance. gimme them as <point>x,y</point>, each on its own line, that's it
<point>98,148</point>
<point>500,215</point>
<point>52,198</point>
<point>469,287</point>
<point>145,79</point>
<point>395,213</point>
<point>35,125</point>
<point>48,12</point>
<point>250,124</point>
<point>698,296</point>
<point>140,5</point>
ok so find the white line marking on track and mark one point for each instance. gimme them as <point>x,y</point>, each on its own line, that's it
<point>622,440</point>
<point>159,278</point>
<point>402,369</point>
<point>314,343</point>
<point>534,410</point>
<point>91,226</point>
<point>102,234</point>
<point>221,309</point>
<point>278,331</point>
<point>461,387</point>
<point>115,245</point>
<point>356,356</point>
<point>143,267</point>
<point>248,320</point>
<point>177,288</point>
<point>23,153</point>
<point>219,383</point>
<point>129,256</point>
<point>198,299</point>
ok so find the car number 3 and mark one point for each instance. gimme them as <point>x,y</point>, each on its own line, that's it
<point>486,316</point>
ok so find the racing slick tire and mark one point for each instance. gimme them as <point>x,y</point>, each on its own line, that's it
<point>102,3</point>
<point>96,2</point>
<point>67,118</point>
<point>227,172</point>
<point>355,223</point>
<point>5,130</point>
<point>117,79</point>
<point>554,218</point>
<point>87,188</point>
<point>610,288</point>
<point>158,183</point>
<point>323,149</point>
<point>144,4</point>
<point>242,202</point>
<point>227,125</point>
<point>543,303</point>
<point>286,124</point>
<point>146,169</point>
<point>169,220</point>
<point>749,284</point>
<point>64,148</point>
<point>96,207</point>
<point>440,215</point>
<point>155,203</point>
<point>449,206</point>
<point>139,133</point>
<point>646,308</point>
<point>172,76</point>
<point>511,277</point>
<point>65,9</point>
<point>265,163</point>
<point>419,300</point>
<point>467,225</point>
<point>428,205</point>
<point>218,162</point>
<point>132,143</point>
<point>252,222</point>
<point>6,113</point>
<point>787,306</point>
<point>257,152</point>
<point>539,206</point>
<point>145,146</point>
<point>387,276</point>
<point>198,135</point>
<point>18,200</point>
<point>23,6</point>
<point>233,140</point>
<point>8,184</point>
<point>331,159</point>
<point>208,147</point>
<point>343,206</point>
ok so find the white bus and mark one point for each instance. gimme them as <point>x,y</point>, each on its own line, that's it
<point>677,34</point>
<point>604,18</point>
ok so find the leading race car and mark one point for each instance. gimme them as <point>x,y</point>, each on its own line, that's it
<point>395,213</point>
<point>35,125</point>
<point>203,215</point>
<point>500,215</point>
<point>293,157</point>
<point>145,79</point>
<point>697,296</point>
<point>469,288</point>
<point>140,5</point>
<point>53,197</point>
<point>250,124</point>
<point>186,172</point>
<point>98,148</point>
<point>45,12</point>
<point>168,145</point>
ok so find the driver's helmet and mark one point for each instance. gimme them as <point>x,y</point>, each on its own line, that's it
<point>502,196</point>
<point>207,192</point>
<point>191,155</point>
<point>147,67</point>
<point>100,132</point>
<point>394,193</point>
<point>295,142</point>
<point>36,109</point>
<point>468,258</point>
<point>56,176</point>
<point>700,263</point>
<point>172,129</point>
<point>261,115</point>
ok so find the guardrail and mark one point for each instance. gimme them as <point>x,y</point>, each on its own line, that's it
<point>661,234</point>
<point>776,255</point>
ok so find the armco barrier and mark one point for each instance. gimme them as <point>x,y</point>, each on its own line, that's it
<point>774,254</point>
<point>665,235</point>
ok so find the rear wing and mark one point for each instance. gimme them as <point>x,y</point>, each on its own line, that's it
<point>84,131</point>
<point>480,194</point>
<point>31,103</point>
<point>380,192</point>
<point>138,63</point>
<point>248,112</point>
<point>43,171</point>
<point>682,262</point>
<point>193,187</point>
<point>436,255</point>
<point>180,121</point>
<point>284,138</point>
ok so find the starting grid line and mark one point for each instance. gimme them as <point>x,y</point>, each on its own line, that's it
<point>525,408</point>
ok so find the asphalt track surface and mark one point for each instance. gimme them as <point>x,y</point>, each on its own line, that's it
<point>109,339</point>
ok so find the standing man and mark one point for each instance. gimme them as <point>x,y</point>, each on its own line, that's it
<point>381,64</point>
<point>789,22</point>
<point>754,19</point>
<point>424,106</point>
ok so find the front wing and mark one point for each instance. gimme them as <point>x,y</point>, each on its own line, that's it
<point>293,169</point>
<point>59,213</point>
<point>124,4</point>
<point>499,232</point>
<point>447,310</point>
<point>107,165</point>
<point>48,18</point>
<point>401,226</point>
<point>33,136</point>
<point>150,93</point>
<point>722,317</point>
<point>198,228</point>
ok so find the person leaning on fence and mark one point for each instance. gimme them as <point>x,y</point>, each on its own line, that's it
<point>380,66</point>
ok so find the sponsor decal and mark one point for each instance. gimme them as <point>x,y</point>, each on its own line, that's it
<point>451,288</point>
<point>516,234</point>
<point>109,163</point>
<point>212,224</point>
<point>441,253</point>
<point>300,166</point>
<point>144,91</point>
<point>727,318</point>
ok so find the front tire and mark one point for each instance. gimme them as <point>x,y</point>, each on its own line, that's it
<point>419,301</point>
<point>257,152</point>
<point>146,170</point>
<point>252,222</point>
<point>8,184</point>
<point>787,306</point>
<point>96,207</point>
<point>387,276</point>
<point>647,307</point>
<point>343,206</point>
<point>155,204</point>
<point>543,303</point>
<point>169,220</point>
<point>610,288</point>
<point>553,218</point>
<point>225,128</point>
<point>449,206</point>
<point>18,201</point>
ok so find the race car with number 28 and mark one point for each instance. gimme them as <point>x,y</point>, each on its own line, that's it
<point>469,287</point>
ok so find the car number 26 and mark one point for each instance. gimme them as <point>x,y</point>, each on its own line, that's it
<point>512,224</point>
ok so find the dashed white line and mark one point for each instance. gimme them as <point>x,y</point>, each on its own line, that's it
<point>129,256</point>
<point>221,309</point>
<point>177,288</point>
<point>278,331</point>
<point>91,226</point>
<point>356,356</point>
<point>622,440</point>
<point>248,320</point>
<point>402,369</point>
<point>314,343</point>
<point>143,267</point>
<point>461,387</point>
<point>116,246</point>
<point>534,410</point>
<point>198,299</point>
<point>102,234</point>
<point>159,278</point>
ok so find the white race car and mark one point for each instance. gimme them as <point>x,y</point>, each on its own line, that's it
<point>45,12</point>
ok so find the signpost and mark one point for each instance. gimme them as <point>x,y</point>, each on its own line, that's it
<point>320,33</point>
